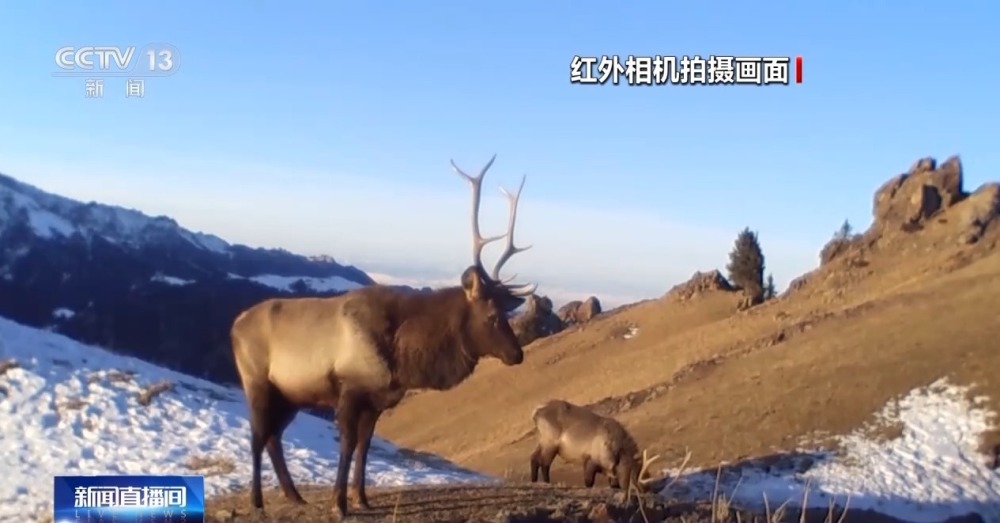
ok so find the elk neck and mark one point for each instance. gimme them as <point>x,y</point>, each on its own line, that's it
<point>431,349</point>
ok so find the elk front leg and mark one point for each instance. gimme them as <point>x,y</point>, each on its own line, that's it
<point>590,469</point>
<point>347,425</point>
<point>366,429</point>
<point>613,480</point>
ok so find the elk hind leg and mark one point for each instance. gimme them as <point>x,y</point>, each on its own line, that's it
<point>261,428</point>
<point>541,461</point>
<point>367,418</point>
<point>536,462</point>
<point>282,413</point>
<point>347,426</point>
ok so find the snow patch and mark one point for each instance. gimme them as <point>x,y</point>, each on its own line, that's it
<point>931,472</point>
<point>70,408</point>
<point>211,242</point>
<point>632,332</point>
<point>63,313</point>
<point>46,225</point>
<point>284,283</point>
<point>170,280</point>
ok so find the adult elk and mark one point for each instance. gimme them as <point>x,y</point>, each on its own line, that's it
<point>361,351</point>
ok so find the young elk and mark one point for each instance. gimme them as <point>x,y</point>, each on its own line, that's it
<point>361,351</point>
<point>598,443</point>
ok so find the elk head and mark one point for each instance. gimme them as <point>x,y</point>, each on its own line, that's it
<point>490,299</point>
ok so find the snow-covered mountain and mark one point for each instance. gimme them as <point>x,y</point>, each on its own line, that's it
<point>139,284</point>
<point>28,213</point>
<point>49,216</point>
<point>70,408</point>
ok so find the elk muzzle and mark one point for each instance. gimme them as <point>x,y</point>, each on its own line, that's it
<point>512,357</point>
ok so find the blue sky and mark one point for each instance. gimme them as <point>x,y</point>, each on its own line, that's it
<point>328,127</point>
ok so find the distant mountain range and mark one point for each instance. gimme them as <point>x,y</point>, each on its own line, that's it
<point>141,285</point>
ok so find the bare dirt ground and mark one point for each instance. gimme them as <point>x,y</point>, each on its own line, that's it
<point>513,503</point>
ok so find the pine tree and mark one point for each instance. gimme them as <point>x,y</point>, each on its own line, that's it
<point>769,290</point>
<point>845,232</point>
<point>746,264</point>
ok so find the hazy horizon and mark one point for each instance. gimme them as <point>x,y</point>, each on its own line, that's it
<point>328,128</point>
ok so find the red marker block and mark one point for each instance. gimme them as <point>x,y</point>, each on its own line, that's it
<point>798,69</point>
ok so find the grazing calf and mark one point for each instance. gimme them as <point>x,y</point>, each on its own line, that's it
<point>598,443</point>
<point>361,351</point>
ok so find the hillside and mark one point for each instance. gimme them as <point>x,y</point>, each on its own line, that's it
<point>141,285</point>
<point>911,301</point>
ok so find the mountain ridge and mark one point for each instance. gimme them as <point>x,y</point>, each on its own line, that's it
<point>143,285</point>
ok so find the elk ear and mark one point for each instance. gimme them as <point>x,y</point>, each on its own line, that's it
<point>473,284</point>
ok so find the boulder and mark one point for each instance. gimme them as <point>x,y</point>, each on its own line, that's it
<point>537,320</point>
<point>699,283</point>
<point>911,198</point>
<point>978,211</point>
<point>578,312</point>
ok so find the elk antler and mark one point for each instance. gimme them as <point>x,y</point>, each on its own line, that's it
<point>680,471</point>
<point>509,249</point>
<point>646,462</point>
<point>478,241</point>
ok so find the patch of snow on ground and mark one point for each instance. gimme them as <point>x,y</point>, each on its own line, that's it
<point>65,410</point>
<point>333,283</point>
<point>932,472</point>
<point>205,241</point>
<point>170,280</point>
<point>63,313</point>
<point>212,242</point>
<point>632,331</point>
<point>45,223</point>
<point>42,221</point>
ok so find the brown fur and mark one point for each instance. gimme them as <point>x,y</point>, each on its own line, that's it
<point>578,435</point>
<point>361,351</point>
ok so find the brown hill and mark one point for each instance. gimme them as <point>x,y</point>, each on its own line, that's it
<point>907,302</point>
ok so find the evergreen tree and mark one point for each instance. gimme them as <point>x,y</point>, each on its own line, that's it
<point>845,232</point>
<point>746,264</point>
<point>769,290</point>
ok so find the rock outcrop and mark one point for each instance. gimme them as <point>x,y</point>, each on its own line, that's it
<point>979,210</point>
<point>579,312</point>
<point>911,198</point>
<point>700,283</point>
<point>537,320</point>
<point>908,202</point>
<point>923,212</point>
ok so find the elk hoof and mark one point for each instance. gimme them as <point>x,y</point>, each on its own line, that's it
<point>293,497</point>
<point>337,514</point>
<point>358,501</point>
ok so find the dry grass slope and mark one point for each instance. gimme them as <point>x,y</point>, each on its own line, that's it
<point>910,301</point>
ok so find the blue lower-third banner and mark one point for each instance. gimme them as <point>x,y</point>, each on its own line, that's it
<point>160,499</point>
